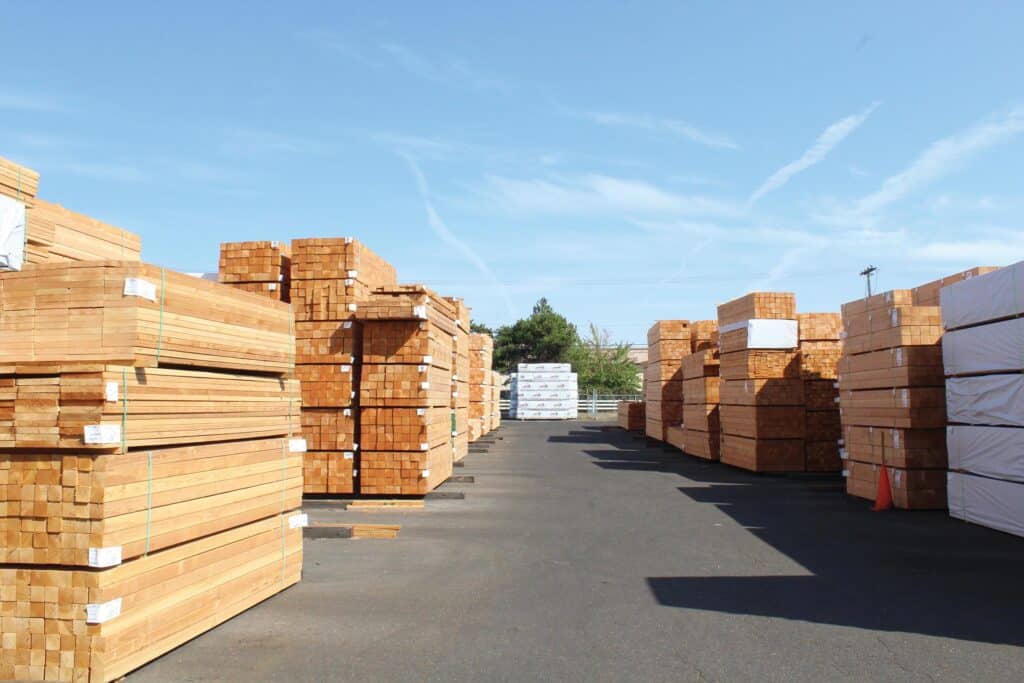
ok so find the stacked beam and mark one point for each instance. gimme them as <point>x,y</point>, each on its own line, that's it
<point>983,358</point>
<point>892,399</point>
<point>667,342</point>
<point>544,391</point>
<point>703,337</point>
<point>481,359</point>
<point>460,379</point>
<point>820,350</point>
<point>701,425</point>
<point>762,411</point>
<point>261,267</point>
<point>631,416</point>
<point>495,404</point>
<point>405,391</point>
<point>330,278</point>
<point>149,484</point>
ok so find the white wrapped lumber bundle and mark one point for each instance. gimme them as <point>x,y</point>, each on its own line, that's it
<point>75,624</point>
<point>116,408</point>
<point>98,510</point>
<point>140,315</point>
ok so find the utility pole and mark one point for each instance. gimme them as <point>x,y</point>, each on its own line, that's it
<point>867,273</point>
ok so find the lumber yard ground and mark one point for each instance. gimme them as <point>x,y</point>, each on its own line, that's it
<point>581,553</point>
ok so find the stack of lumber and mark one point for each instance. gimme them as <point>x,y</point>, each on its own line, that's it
<point>701,426</point>
<point>892,397</point>
<point>481,359</point>
<point>261,267</point>
<point>667,342</point>
<point>703,339</point>
<point>495,403</point>
<point>631,416</point>
<point>983,358</point>
<point>460,379</point>
<point>820,350</point>
<point>544,391</point>
<point>330,278</point>
<point>18,188</point>
<point>405,391</point>
<point>761,393</point>
<point>149,481</point>
<point>18,182</point>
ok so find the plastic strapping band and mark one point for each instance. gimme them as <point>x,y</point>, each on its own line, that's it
<point>149,497</point>
<point>160,326</point>
<point>124,410</point>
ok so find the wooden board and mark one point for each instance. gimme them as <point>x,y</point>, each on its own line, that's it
<point>328,386</point>
<point>763,422</point>
<point>404,429</point>
<point>409,302</point>
<point>906,448</point>
<point>701,390</point>
<point>396,386</point>
<point>631,415</point>
<point>704,363</point>
<point>674,435</point>
<point>820,359</point>
<point>669,412</point>
<point>259,261</point>
<point>760,364</point>
<point>822,456</point>
<point>404,473</point>
<point>407,341</point>
<point>328,342</point>
<point>763,455</point>
<point>701,417</point>
<point>911,489</point>
<point>701,444</point>
<point>819,326</point>
<point>78,312</point>
<point>762,392</point>
<point>768,305</point>
<point>329,429</point>
<point>18,182</point>
<point>339,258</point>
<point>664,330</point>
<point>54,234</point>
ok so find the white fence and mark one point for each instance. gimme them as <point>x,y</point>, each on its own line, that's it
<point>592,404</point>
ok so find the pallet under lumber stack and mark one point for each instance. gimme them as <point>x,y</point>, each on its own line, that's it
<point>983,358</point>
<point>701,424</point>
<point>631,416</point>
<point>330,277</point>
<point>149,487</point>
<point>405,391</point>
<point>762,411</point>
<point>481,358</point>
<point>667,342</point>
<point>261,267</point>
<point>460,379</point>
<point>820,350</point>
<point>892,396</point>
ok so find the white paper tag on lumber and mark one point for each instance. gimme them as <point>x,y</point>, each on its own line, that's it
<point>347,325</point>
<point>347,455</point>
<point>136,286</point>
<point>352,274</point>
<point>346,368</point>
<point>421,412</point>
<point>355,447</point>
<point>425,473</point>
<point>422,368</point>
<point>420,311</point>
<point>424,385</point>
<point>353,307</point>
<point>111,392</point>
<point>12,234</point>
<point>297,445</point>
<point>428,359</point>
<point>105,557</point>
<point>349,282</point>
<point>347,412</point>
<point>102,434</point>
<point>355,473</point>
<point>298,521</point>
<point>272,287</point>
<point>424,446</point>
<point>348,240</point>
<point>98,613</point>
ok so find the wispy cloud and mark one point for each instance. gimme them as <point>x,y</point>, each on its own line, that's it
<point>941,157</point>
<point>673,127</point>
<point>449,72</point>
<point>450,238</point>
<point>858,171</point>
<point>594,194</point>
<point>254,141</point>
<point>120,173</point>
<point>816,153</point>
<point>416,143</point>
<point>790,259</point>
<point>984,251</point>
<point>333,43</point>
<point>28,101</point>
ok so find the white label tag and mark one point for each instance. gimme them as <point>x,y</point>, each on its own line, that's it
<point>348,240</point>
<point>424,385</point>
<point>111,392</point>
<point>428,359</point>
<point>420,311</point>
<point>424,446</point>
<point>355,447</point>
<point>347,325</point>
<point>899,356</point>
<point>298,521</point>
<point>272,287</point>
<point>136,286</point>
<point>349,282</point>
<point>895,439</point>
<point>352,274</point>
<point>425,473</point>
<point>105,557</point>
<point>346,368</point>
<point>347,455</point>
<point>102,434</point>
<point>421,411</point>
<point>422,368</point>
<point>353,307</point>
<point>347,412</point>
<point>98,613</point>
<point>846,473</point>
<point>297,445</point>
<point>274,244</point>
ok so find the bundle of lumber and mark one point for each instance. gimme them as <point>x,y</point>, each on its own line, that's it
<point>136,314</point>
<point>460,378</point>
<point>631,416</point>
<point>54,233</point>
<point>149,481</point>
<point>18,182</point>
<point>496,383</point>
<point>983,357</point>
<point>262,267</point>
<point>405,392</point>
<point>820,350</point>
<point>481,357</point>
<point>892,396</point>
<point>701,428</point>
<point>668,341</point>
<point>761,410</point>
<point>331,277</point>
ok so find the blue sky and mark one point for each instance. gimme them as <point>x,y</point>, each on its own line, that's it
<point>628,161</point>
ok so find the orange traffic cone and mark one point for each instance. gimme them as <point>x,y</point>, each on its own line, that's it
<point>883,500</point>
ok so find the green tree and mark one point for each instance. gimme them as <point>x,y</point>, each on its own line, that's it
<point>544,337</point>
<point>604,367</point>
<point>474,326</point>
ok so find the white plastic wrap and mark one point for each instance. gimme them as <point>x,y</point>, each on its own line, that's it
<point>988,451</point>
<point>994,503</point>
<point>544,404</point>
<point>995,295</point>
<point>531,414</point>
<point>12,234</point>
<point>764,333</point>
<point>986,400</point>
<point>546,394</point>
<point>996,347</point>
<point>527,368</point>
<point>527,378</point>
